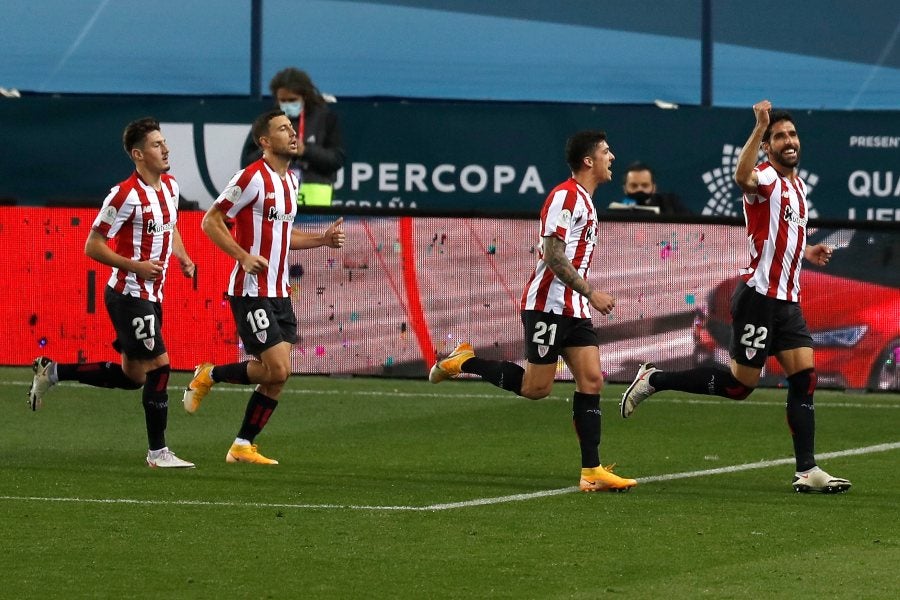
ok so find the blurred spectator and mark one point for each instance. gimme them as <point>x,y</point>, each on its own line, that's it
<point>639,186</point>
<point>320,152</point>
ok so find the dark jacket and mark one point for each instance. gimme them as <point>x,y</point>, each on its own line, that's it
<point>324,153</point>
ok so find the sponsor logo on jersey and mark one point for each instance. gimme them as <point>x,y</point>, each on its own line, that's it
<point>276,215</point>
<point>153,227</point>
<point>791,216</point>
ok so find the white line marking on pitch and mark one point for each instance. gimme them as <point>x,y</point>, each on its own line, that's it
<point>465,503</point>
<point>232,389</point>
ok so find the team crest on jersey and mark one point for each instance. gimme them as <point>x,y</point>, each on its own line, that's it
<point>750,352</point>
<point>543,349</point>
<point>109,215</point>
<point>149,343</point>
<point>261,336</point>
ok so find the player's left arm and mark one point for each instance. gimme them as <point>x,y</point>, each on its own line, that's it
<point>818,255</point>
<point>562,267</point>
<point>187,265</point>
<point>333,237</point>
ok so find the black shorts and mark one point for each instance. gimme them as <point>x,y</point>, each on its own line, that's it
<point>547,334</point>
<point>263,322</point>
<point>138,325</point>
<point>762,326</point>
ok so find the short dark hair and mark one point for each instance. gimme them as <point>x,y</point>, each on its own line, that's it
<point>582,144</point>
<point>639,166</point>
<point>261,124</point>
<point>299,82</point>
<point>136,132</point>
<point>774,117</point>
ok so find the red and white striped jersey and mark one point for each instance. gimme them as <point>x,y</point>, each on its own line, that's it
<point>776,217</point>
<point>142,221</point>
<point>263,206</point>
<point>568,214</point>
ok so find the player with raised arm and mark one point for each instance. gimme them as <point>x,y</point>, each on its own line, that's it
<point>765,308</point>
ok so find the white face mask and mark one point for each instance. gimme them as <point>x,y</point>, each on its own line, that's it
<point>292,109</point>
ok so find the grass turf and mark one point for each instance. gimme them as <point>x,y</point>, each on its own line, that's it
<point>81,516</point>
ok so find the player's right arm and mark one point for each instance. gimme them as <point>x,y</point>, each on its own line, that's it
<point>213,225</point>
<point>744,175</point>
<point>97,248</point>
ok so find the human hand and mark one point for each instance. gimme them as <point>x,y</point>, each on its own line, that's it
<point>819,255</point>
<point>334,236</point>
<point>149,270</point>
<point>188,267</point>
<point>602,301</point>
<point>254,265</point>
<point>761,110</point>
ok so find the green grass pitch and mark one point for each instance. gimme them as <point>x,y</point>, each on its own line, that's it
<point>403,489</point>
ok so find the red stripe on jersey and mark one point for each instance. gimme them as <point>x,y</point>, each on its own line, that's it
<point>285,235</point>
<point>778,203</point>
<point>540,301</point>
<point>265,240</point>
<point>799,246</point>
<point>166,240</point>
<point>243,225</point>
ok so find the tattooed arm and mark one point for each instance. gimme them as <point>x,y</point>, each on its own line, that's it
<point>562,267</point>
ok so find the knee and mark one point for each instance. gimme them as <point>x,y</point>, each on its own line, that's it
<point>277,374</point>
<point>535,392</point>
<point>591,384</point>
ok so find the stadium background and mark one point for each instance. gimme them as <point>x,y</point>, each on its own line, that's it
<point>482,100</point>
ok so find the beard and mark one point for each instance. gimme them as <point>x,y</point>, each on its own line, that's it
<point>789,162</point>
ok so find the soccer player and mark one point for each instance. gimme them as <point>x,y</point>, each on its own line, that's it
<point>262,200</point>
<point>555,309</point>
<point>140,214</point>
<point>765,307</point>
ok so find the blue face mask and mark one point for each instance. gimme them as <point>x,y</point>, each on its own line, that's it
<point>292,109</point>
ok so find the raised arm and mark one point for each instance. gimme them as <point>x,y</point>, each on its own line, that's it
<point>744,175</point>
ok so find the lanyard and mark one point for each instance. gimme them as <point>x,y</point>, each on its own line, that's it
<point>301,126</point>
